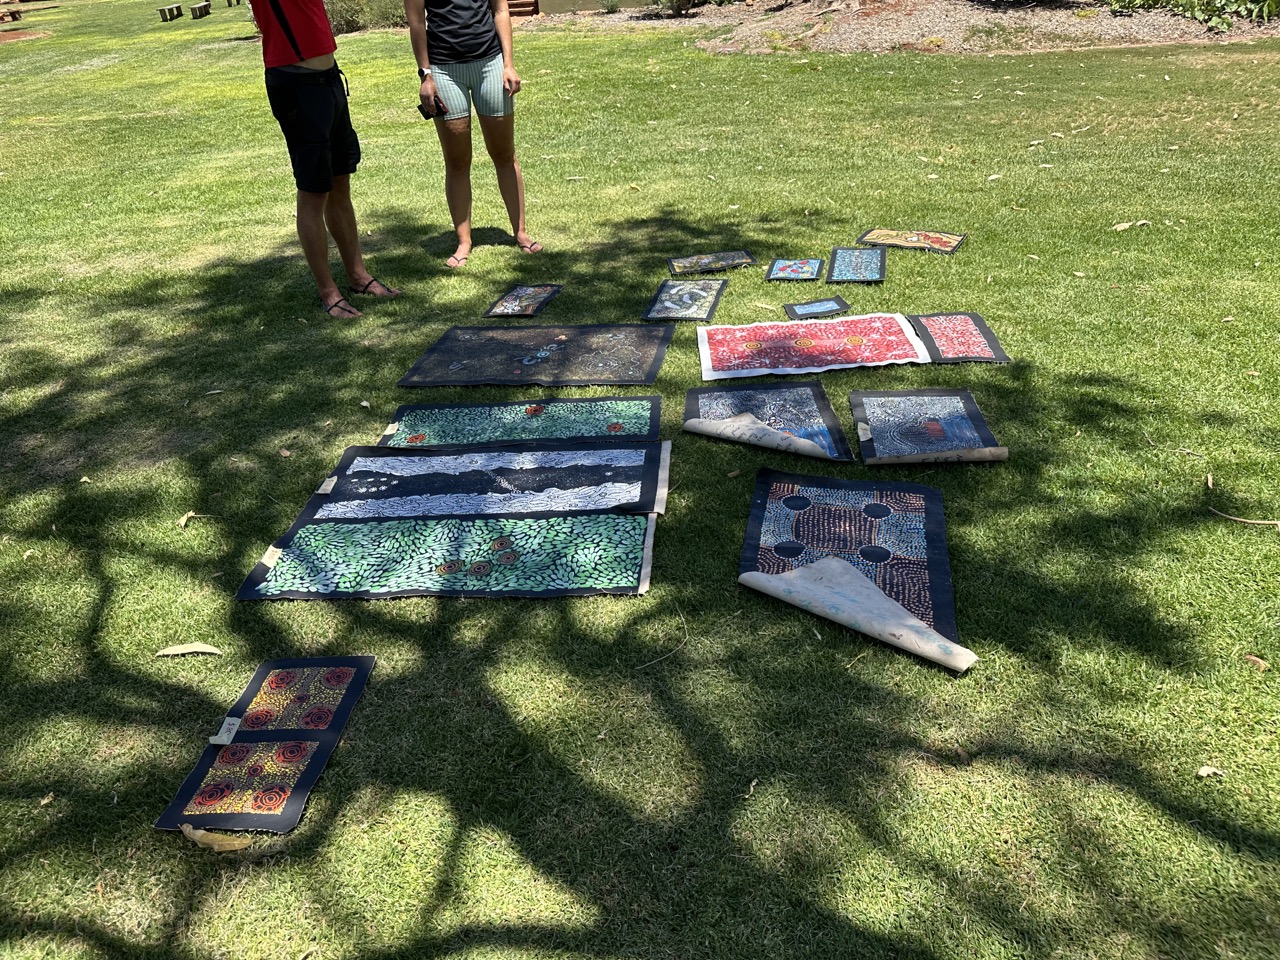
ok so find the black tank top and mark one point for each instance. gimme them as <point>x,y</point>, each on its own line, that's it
<point>459,31</point>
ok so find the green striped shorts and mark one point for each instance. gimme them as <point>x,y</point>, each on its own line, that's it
<point>458,84</point>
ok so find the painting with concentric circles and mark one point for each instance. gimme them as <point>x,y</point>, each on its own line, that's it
<point>894,533</point>
<point>291,716</point>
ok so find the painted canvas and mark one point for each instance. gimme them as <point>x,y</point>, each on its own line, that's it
<point>893,533</point>
<point>958,338</point>
<point>523,301</point>
<point>808,346</point>
<point>922,426</point>
<point>794,270</point>
<point>794,417</point>
<point>934,241</point>
<point>462,424</point>
<point>856,265</point>
<point>531,520</point>
<point>686,300</point>
<point>826,307</point>
<point>291,716</point>
<point>710,262</point>
<point>550,356</point>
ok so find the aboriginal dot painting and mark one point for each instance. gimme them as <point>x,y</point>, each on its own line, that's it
<point>894,533</point>
<point>460,424</point>
<point>551,356</point>
<point>523,301</point>
<point>827,307</point>
<point>797,409</point>
<point>686,300</point>
<point>914,423</point>
<point>291,717</point>
<point>794,270</point>
<point>710,262</point>
<point>958,338</point>
<point>856,265</point>
<point>808,346</point>
<point>935,241</point>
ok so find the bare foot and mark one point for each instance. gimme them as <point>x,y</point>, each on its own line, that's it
<point>528,244</point>
<point>371,286</point>
<point>459,257</point>
<point>338,307</point>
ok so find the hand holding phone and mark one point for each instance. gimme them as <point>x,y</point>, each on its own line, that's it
<point>441,109</point>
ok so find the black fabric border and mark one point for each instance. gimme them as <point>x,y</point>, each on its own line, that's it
<point>649,377</point>
<point>655,421</point>
<point>751,260</point>
<point>884,265</point>
<point>838,437</point>
<point>935,355</point>
<point>938,563</point>
<point>776,260</point>
<point>520,316</point>
<point>172,818</point>
<point>867,448</point>
<point>787,308</point>
<point>715,303</point>
<point>897,246</point>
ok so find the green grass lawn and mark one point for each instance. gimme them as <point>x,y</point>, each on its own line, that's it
<point>516,781</point>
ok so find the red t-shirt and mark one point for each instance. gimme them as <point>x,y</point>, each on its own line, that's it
<point>305,20</point>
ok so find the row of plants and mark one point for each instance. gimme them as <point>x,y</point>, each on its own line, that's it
<point>1216,14</point>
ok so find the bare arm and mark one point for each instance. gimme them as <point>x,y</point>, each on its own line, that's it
<point>502,20</point>
<point>416,14</point>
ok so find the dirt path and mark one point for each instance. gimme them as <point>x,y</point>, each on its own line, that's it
<point>936,26</point>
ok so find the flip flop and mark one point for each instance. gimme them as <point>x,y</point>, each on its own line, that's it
<point>341,302</point>
<point>461,261</point>
<point>364,291</point>
<point>533,247</point>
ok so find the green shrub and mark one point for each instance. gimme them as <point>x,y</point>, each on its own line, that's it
<point>1216,14</point>
<point>678,8</point>
<point>610,6</point>
<point>347,16</point>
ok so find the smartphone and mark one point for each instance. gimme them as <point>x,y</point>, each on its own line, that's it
<point>440,109</point>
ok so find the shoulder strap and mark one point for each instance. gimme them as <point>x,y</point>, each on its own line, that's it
<point>285,28</point>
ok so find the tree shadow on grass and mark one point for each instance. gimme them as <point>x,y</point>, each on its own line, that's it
<point>761,701</point>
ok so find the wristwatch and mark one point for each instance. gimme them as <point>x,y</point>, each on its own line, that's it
<point>424,72</point>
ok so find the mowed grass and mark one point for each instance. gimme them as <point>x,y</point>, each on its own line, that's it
<point>520,779</point>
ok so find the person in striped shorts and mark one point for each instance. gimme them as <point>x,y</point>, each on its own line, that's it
<point>463,49</point>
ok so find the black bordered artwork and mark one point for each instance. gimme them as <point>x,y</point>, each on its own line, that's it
<point>922,426</point>
<point>685,300</point>
<point>932,241</point>
<point>894,533</point>
<point>814,309</point>
<point>799,409</point>
<point>530,520</point>
<point>291,716</point>
<point>524,300</point>
<point>587,419</point>
<point>806,269</point>
<point>709,262</point>
<point>856,265</point>
<point>958,338</point>
<point>550,356</point>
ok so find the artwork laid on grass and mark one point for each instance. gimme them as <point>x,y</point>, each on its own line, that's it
<point>935,241</point>
<point>273,745</point>
<point>808,346</point>
<point>958,338</point>
<point>523,301</point>
<point>686,300</point>
<point>809,539</point>
<point>550,356</point>
<point>922,426</point>
<point>792,417</point>
<point>794,270</point>
<point>710,262</point>
<point>826,307</point>
<point>460,424</point>
<point>856,265</point>
<point>528,520</point>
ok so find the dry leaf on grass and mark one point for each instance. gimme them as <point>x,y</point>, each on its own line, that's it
<point>212,393</point>
<point>365,404</point>
<point>27,554</point>
<point>285,453</point>
<point>735,473</point>
<point>182,649</point>
<point>182,521</point>
<point>1208,771</point>
<point>217,842</point>
<point>1258,663</point>
<point>1122,226</point>
<point>46,799</point>
<point>87,480</point>
<point>994,176</point>
<point>1076,273</point>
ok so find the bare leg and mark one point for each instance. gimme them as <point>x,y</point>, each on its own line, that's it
<point>340,218</point>
<point>315,247</point>
<point>500,141</point>
<point>455,141</point>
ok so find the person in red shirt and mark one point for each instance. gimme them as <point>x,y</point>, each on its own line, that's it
<point>308,98</point>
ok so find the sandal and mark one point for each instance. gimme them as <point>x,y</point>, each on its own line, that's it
<point>461,261</point>
<point>341,304</point>
<point>391,294</point>
<point>532,246</point>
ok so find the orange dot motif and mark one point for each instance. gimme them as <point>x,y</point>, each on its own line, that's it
<point>803,342</point>
<point>305,697</point>
<point>754,345</point>
<point>854,341</point>
<point>252,778</point>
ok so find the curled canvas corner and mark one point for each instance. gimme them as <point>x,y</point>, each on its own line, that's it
<point>646,567</point>
<point>747,428</point>
<point>835,589</point>
<point>968,455</point>
<point>664,477</point>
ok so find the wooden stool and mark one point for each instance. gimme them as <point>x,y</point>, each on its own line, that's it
<point>171,12</point>
<point>200,10</point>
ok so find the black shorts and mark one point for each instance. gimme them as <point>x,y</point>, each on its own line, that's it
<point>312,111</point>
